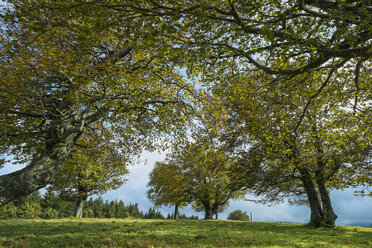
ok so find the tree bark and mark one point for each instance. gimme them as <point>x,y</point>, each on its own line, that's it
<point>208,212</point>
<point>79,207</point>
<point>329,215</point>
<point>176,215</point>
<point>39,173</point>
<point>316,216</point>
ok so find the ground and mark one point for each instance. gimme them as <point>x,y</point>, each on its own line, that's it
<point>170,233</point>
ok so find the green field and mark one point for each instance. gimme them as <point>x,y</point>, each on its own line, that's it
<point>169,233</point>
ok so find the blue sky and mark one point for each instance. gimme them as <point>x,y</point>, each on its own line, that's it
<point>349,208</point>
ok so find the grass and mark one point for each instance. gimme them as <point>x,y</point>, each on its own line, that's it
<point>169,233</point>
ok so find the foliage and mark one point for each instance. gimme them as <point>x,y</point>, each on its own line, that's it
<point>166,186</point>
<point>29,207</point>
<point>238,215</point>
<point>285,153</point>
<point>53,206</point>
<point>196,173</point>
<point>206,170</point>
<point>185,233</point>
<point>182,217</point>
<point>153,213</point>
<point>297,75</point>
<point>93,168</point>
<point>65,72</point>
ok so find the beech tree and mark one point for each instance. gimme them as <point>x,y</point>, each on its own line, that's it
<point>94,167</point>
<point>195,173</point>
<point>290,154</point>
<point>166,186</point>
<point>238,215</point>
<point>63,71</point>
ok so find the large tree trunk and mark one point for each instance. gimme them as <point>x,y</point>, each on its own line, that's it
<point>39,173</point>
<point>176,215</point>
<point>329,215</point>
<point>79,207</point>
<point>208,212</point>
<point>316,217</point>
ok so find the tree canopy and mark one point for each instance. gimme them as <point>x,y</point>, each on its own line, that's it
<point>195,173</point>
<point>292,78</point>
<point>290,154</point>
<point>166,186</point>
<point>94,167</point>
<point>64,71</point>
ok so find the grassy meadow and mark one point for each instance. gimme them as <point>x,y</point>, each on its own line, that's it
<point>170,233</point>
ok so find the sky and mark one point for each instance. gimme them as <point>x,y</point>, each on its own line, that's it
<point>349,208</point>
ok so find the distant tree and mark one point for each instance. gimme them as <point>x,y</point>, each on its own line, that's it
<point>238,215</point>
<point>112,210</point>
<point>50,213</point>
<point>120,210</point>
<point>98,207</point>
<point>8,211</point>
<point>94,168</point>
<point>51,200</point>
<point>207,179</point>
<point>166,186</point>
<point>196,173</point>
<point>133,211</point>
<point>88,212</point>
<point>153,213</point>
<point>29,207</point>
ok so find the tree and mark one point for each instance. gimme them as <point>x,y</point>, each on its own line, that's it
<point>64,72</point>
<point>238,215</point>
<point>166,186</point>
<point>51,205</point>
<point>29,207</point>
<point>289,153</point>
<point>202,177</point>
<point>120,210</point>
<point>94,168</point>
<point>98,208</point>
<point>8,211</point>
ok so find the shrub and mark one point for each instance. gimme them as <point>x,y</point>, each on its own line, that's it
<point>238,215</point>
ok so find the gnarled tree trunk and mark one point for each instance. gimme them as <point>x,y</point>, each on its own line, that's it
<point>329,215</point>
<point>39,173</point>
<point>208,212</point>
<point>316,217</point>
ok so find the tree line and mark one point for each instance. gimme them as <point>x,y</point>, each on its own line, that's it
<point>51,206</point>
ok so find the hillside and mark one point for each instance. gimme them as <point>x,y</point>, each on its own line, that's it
<point>169,233</point>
